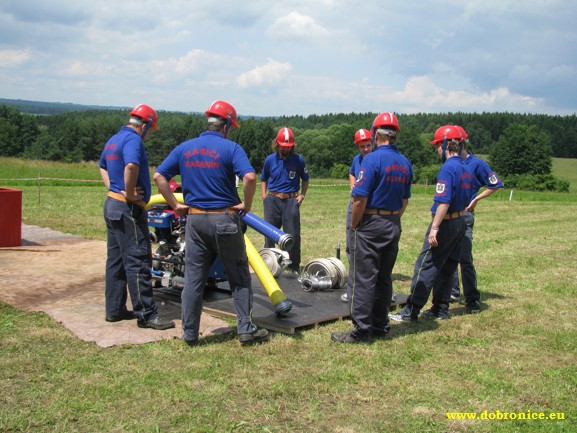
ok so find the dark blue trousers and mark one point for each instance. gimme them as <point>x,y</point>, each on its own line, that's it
<point>468,272</point>
<point>286,214</point>
<point>128,260</point>
<point>374,247</point>
<point>209,236</point>
<point>435,267</point>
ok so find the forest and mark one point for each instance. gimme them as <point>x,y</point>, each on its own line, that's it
<point>518,145</point>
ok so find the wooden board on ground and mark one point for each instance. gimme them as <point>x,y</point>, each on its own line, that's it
<point>308,308</point>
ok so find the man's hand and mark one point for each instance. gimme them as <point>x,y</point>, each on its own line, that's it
<point>137,194</point>
<point>472,205</point>
<point>181,209</point>
<point>241,207</point>
<point>433,236</point>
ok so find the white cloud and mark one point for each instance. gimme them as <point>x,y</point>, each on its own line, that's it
<point>196,64</point>
<point>80,68</point>
<point>271,73</point>
<point>296,25</point>
<point>12,58</point>
<point>422,94</point>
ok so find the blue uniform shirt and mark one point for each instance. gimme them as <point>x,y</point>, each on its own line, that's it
<point>207,166</point>
<point>123,148</point>
<point>385,178</point>
<point>454,183</point>
<point>284,175</point>
<point>356,165</point>
<point>483,175</point>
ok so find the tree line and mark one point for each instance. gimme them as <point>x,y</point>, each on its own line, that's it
<point>520,146</point>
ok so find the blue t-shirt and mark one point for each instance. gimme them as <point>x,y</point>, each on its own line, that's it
<point>483,175</point>
<point>356,165</point>
<point>123,148</point>
<point>454,183</point>
<point>284,175</point>
<point>207,166</point>
<point>385,178</point>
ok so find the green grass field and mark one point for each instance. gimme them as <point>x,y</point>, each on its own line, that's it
<point>517,357</point>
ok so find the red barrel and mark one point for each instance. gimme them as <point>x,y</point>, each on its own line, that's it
<point>10,217</point>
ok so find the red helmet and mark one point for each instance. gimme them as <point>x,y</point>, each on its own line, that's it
<point>174,185</point>
<point>386,119</point>
<point>449,132</point>
<point>285,137</point>
<point>362,135</point>
<point>224,110</point>
<point>146,113</point>
<point>462,131</point>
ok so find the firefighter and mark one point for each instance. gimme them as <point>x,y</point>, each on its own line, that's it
<point>125,172</point>
<point>439,256</point>
<point>482,176</point>
<point>363,141</point>
<point>282,174</point>
<point>207,166</point>
<point>380,197</point>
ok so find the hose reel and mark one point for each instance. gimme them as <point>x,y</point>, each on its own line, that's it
<point>275,259</point>
<point>323,274</point>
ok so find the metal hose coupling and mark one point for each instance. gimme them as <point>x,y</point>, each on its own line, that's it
<point>324,274</point>
<point>312,283</point>
<point>283,307</point>
<point>286,242</point>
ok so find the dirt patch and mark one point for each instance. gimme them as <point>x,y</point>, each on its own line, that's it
<point>63,276</point>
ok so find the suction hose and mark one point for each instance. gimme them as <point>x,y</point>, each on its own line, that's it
<point>284,240</point>
<point>281,304</point>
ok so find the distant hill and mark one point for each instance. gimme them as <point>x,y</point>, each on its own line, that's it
<point>39,107</point>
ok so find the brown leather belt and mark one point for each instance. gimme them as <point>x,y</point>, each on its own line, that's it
<point>284,195</point>
<point>120,197</point>
<point>371,211</point>
<point>451,216</point>
<point>196,211</point>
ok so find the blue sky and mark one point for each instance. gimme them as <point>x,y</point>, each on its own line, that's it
<point>294,57</point>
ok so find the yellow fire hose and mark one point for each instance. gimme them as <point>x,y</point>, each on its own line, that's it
<point>159,199</point>
<point>279,301</point>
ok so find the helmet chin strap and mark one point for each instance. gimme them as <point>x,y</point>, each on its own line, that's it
<point>444,154</point>
<point>461,145</point>
<point>227,127</point>
<point>147,127</point>
<point>373,138</point>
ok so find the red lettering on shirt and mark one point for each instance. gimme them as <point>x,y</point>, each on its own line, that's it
<point>396,179</point>
<point>202,164</point>
<point>396,167</point>
<point>211,153</point>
